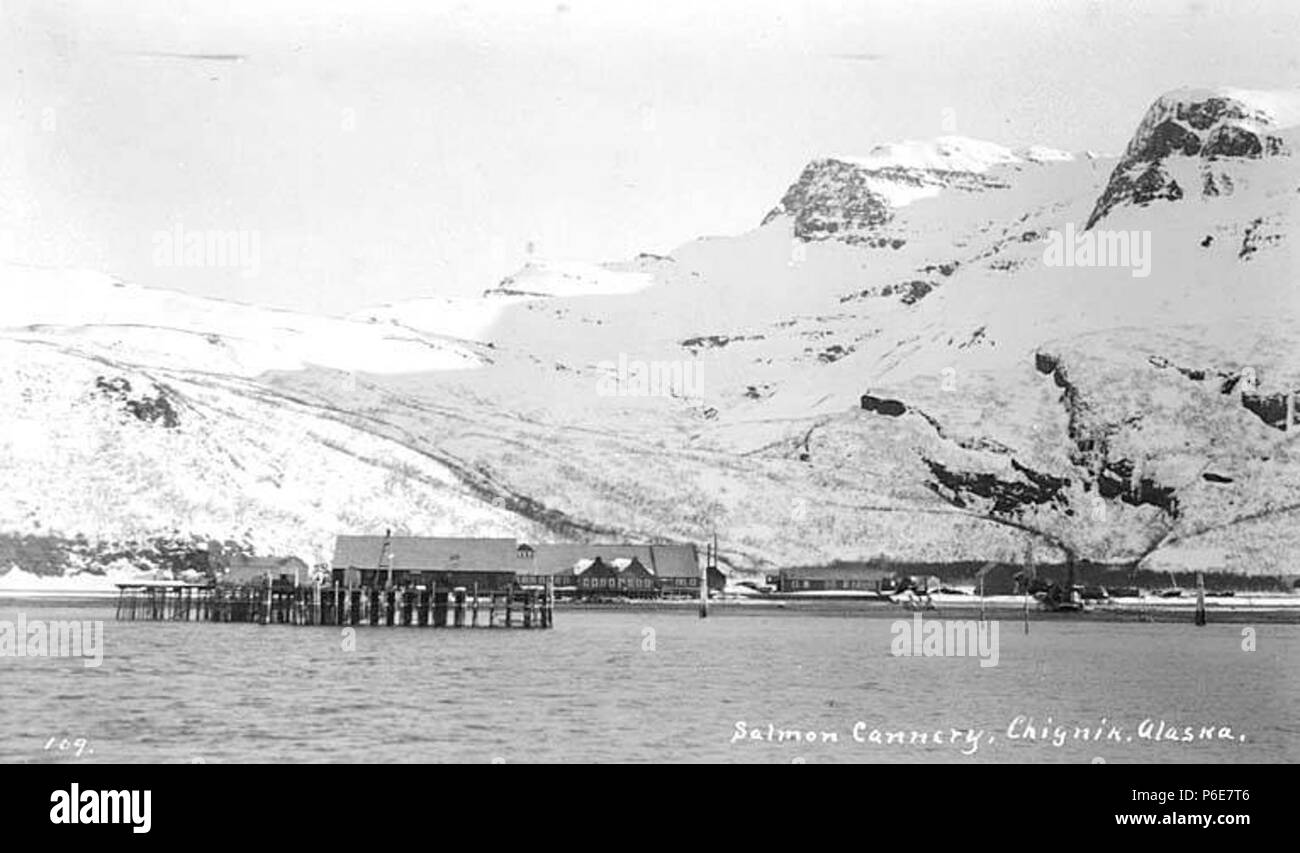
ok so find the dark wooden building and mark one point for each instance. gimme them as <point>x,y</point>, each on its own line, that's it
<point>594,576</point>
<point>239,569</point>
<point>837,578</point>
<point>492,564</point>
<point>496,563</point>
<point>626,576</point>
<point>678,571</point>
<point>633,577</point>
<point>649,570</point>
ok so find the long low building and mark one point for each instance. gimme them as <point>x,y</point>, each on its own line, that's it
<point>416,560</point>
<point>496,563</point>
<point>827,578</point>
<point>852,577</point>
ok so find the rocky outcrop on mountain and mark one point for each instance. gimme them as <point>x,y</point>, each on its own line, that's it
<point>703,342</point>
<point>1120,478</point>
<point>832,199</point>
<point>1006,496</point>
<point>883,406</point>
<point>907,292</point>
<point>148,409</point>
<point>1089,436</point>
<point>1093,434</point>
<point>1203,127</point>
<point>1276,408</point>
<point>850,198</point>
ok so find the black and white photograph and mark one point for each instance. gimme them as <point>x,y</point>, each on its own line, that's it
<point>427,382</point>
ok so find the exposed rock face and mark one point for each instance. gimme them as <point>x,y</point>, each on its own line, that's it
<point>881,406</point>
<point>907,292</point>
<point>1007,496</point>
<point>1117,480</point>
<point>849,199</point>
<point>1101,472</point>
<point>832,199</point>
<point>1271,407</point>
<point>1203,125</point>
<point>1261,232</point>
<point>1087,434</point>
<point>703,342</point>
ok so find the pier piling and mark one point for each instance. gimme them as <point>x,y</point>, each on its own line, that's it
<point>267,602</point>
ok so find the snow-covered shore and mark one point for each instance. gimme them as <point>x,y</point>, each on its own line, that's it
<point>17,583</point>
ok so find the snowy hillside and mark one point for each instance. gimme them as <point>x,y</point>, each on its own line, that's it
<point>894,363</point>
<point>848,198</point>
<point>95,313</point>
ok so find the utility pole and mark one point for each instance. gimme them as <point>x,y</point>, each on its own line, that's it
<point>704,582</point>
<point>386,556</point>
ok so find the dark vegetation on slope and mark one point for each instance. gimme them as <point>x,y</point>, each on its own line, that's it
<point>148,409</point>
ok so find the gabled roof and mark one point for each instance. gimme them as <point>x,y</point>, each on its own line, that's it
<point>427,553</point>
<point>660,560</point>
<point>244,568</point>
<point>674,561</point>
<point>284,564</point>
<point>561,558</point>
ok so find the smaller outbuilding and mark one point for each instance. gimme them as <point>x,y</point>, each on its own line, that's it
<point>241,569</point>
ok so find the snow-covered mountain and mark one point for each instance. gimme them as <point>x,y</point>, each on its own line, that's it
<point>1184,138</point>
<point>893,363</point>
<point>133,414</point>
<point>850,198</point>
<point>473,317</point>
<point>98,313</point>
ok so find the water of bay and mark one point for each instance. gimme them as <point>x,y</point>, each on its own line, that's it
<point>745,685</point>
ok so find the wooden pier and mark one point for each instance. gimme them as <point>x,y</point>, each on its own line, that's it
<point>282,604</point>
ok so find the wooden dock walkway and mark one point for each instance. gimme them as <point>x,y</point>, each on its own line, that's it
<point>282,604</point>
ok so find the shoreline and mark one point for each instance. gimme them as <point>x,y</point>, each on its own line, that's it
<point>1277,608</point>
<point>1270,609</point>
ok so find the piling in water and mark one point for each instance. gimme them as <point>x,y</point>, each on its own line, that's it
<point>1200,598</point>
<point>268,603</point>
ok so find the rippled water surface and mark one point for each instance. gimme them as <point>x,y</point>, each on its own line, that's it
<point>652,685</point>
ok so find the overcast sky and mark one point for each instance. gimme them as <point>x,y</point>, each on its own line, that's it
<point>388,150</point>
